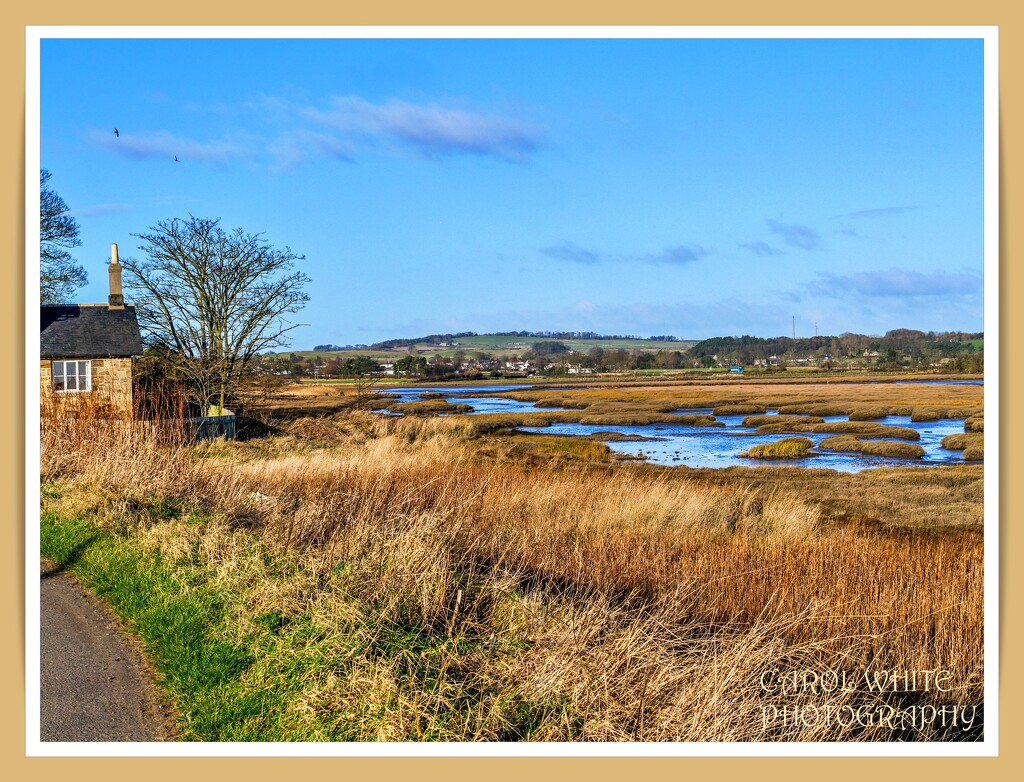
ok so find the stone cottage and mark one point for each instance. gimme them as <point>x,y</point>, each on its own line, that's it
<point>86,350</point>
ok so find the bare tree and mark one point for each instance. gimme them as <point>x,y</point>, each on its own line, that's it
<point>59,274</point>
<point>212,301</point>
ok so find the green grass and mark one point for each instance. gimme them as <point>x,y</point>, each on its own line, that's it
<point>234,674</point>
<point>786,448</point>
<point>181,622</point>
<point>585,448</point>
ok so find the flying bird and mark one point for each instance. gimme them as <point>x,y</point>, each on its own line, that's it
<point>176,159</point>
<point>116,133</point>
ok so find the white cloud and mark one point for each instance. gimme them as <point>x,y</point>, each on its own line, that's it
<point>433,130</point>
<point>897,282</point>
<point>800,236</point>
<point>676,255</point>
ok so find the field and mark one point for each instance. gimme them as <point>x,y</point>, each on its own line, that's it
<point>490,342</point>
<point>503,347</point>
<point>367,577</point>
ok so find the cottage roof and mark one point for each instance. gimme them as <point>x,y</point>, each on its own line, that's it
<point>89,331</point>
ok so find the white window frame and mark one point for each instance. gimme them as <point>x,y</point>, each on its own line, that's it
<point>79,374</point>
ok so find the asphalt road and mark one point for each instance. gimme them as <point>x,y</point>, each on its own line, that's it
<point>94,684</point>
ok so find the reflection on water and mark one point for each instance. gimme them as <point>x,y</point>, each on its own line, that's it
<point>694,446</point>
<point>480,404</point>
<point>704,447</point>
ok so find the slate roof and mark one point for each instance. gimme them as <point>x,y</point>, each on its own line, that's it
<point>88,331</point>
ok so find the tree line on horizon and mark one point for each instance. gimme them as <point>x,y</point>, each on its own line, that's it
<point>954,352</point>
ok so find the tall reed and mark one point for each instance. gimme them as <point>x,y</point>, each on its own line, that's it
<point>628,604</point>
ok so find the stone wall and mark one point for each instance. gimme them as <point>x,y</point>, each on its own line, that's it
<point>111,386</point>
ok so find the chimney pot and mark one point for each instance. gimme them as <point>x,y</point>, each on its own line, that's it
<point>116,298</point>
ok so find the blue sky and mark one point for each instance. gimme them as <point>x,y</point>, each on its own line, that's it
<point>689,187</point>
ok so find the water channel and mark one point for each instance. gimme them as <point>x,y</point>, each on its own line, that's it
<point>695,446</point>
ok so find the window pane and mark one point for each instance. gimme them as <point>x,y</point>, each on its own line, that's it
<point>71,375</point>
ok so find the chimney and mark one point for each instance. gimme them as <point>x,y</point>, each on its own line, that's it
<point>116,299</point>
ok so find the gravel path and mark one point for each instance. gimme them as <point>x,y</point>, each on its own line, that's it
<point>94,684</point>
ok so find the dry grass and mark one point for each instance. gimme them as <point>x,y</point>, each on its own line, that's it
<point>617,602</point>
<point>887,448</point>
<point>863,428</point>
<point>545,450</point>
<point>763,420</point>
<point>971,443</point>
<point>853,397</point>
<point>869,413</point>
<point>738,409</point>
<point>890,498</point>
<point>689,419</point>
<point>428,407</point>
<point>974,424</point>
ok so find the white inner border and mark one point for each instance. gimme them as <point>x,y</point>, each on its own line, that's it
<point>988,747</point>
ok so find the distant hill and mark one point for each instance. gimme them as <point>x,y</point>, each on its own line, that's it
<point>896,346</point>
<point>503,340</point>
<point>506,342</point>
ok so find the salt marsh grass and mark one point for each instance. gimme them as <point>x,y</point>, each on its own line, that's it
<point>786,448</point>
<point>971,443</point>
<point>887,448</point>
<point>388,579</point>
<point>853,397</point>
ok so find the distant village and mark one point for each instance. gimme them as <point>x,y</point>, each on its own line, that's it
<point>438,357</point>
